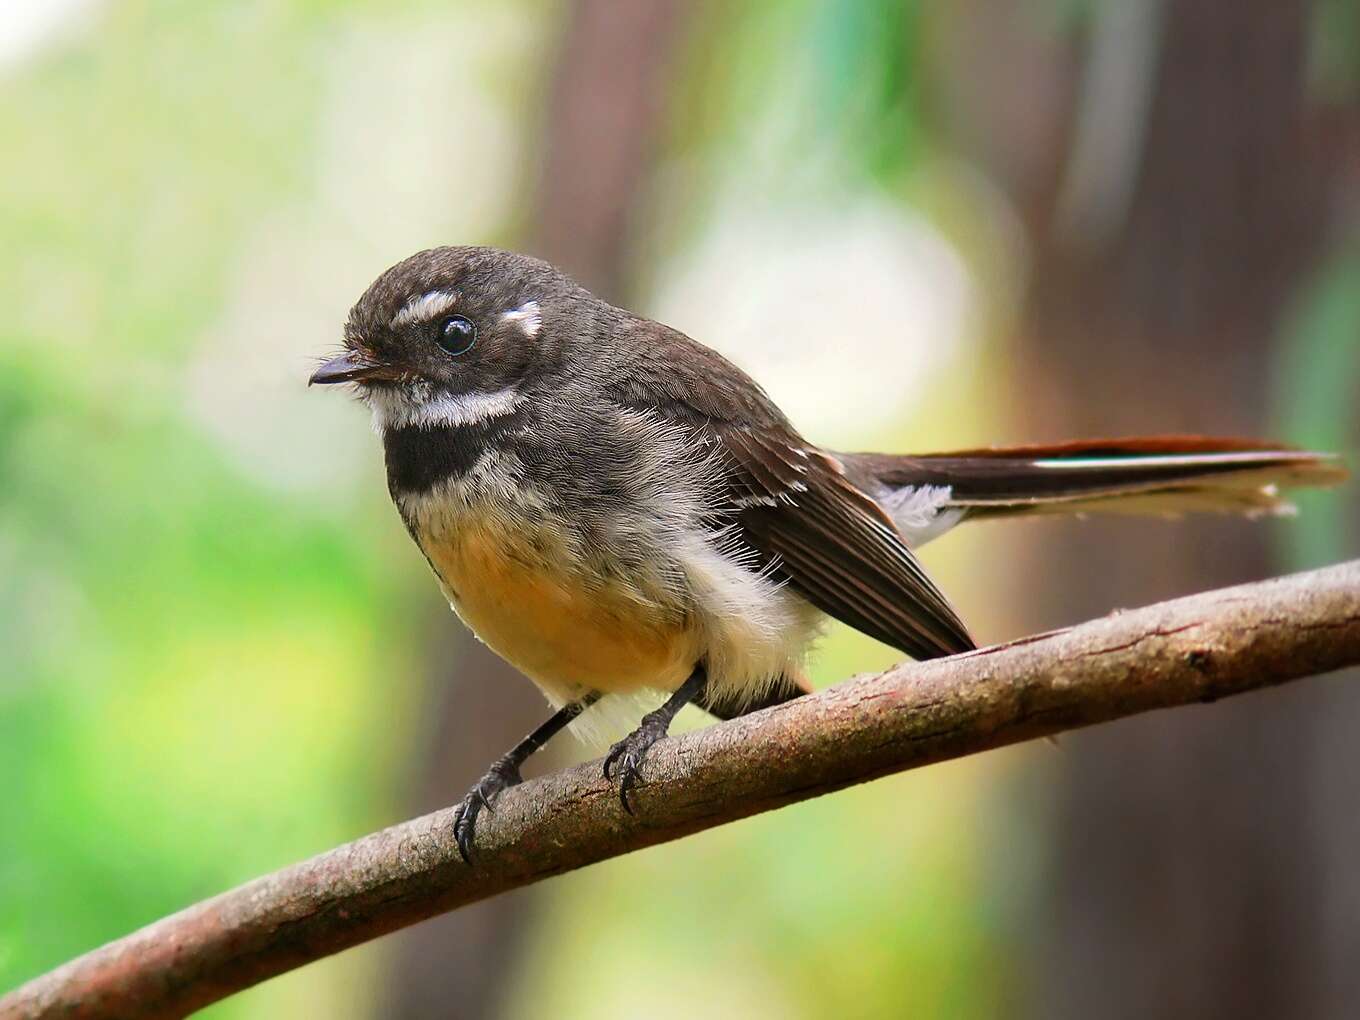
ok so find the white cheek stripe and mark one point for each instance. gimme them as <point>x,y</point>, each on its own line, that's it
<point>449,410</point>
<point>526,316</point>
<point>424,307</point>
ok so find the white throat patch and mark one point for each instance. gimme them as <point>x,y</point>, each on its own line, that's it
<point>417,407</point>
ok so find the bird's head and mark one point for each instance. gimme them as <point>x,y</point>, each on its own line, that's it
<point>451,335</point>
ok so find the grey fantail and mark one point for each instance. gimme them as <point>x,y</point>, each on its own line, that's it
<point>612,506</point>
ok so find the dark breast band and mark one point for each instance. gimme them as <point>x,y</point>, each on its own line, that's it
<point>419,458</point>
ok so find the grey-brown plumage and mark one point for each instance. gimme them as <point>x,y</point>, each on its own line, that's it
<point>613,506</point>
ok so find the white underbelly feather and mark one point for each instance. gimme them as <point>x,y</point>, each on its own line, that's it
<point>754,628</point>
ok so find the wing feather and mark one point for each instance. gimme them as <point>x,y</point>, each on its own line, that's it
<point>789,502</point>
<point>838,547</point>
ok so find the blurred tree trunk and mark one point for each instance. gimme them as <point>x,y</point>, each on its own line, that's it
<point>602,122</point>
<point>1176,184</point>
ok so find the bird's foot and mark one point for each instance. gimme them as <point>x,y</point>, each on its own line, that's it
<point>627,755</point>
<point>503,774</point>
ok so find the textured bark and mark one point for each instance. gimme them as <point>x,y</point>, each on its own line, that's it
<point>1194,649</point>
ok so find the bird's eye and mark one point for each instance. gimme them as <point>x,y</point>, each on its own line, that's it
<point>455,334</point>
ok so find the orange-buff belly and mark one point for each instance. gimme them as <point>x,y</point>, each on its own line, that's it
<point>567,638</point>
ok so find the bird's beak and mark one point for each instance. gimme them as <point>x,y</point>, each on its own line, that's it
<point>348,367</point>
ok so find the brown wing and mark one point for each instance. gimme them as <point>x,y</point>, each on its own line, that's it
<point>789,502</point>
<point>835,545</point>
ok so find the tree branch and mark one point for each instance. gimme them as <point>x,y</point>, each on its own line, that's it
<point>1194,649</point>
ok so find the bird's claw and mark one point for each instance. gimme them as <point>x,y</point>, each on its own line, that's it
<point>499,778</point>
<point>626,758</point>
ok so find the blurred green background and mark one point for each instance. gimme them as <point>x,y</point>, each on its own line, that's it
<point>921,225</point>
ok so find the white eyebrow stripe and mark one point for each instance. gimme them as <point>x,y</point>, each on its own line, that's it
<point>451,410</point>
<point>526,316</point>
<point>424,307</point>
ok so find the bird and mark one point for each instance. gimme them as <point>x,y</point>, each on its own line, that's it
<point>616,508</point>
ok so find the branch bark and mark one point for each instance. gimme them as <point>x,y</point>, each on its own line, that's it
<point>1194,649</point>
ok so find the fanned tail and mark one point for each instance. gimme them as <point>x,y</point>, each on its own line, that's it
<point>1152,475</point>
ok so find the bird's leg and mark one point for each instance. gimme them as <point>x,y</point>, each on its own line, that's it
<point>627,755</point>
<point>504,772</point>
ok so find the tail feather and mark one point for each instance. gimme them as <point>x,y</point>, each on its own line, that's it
<point>1153,475</point>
